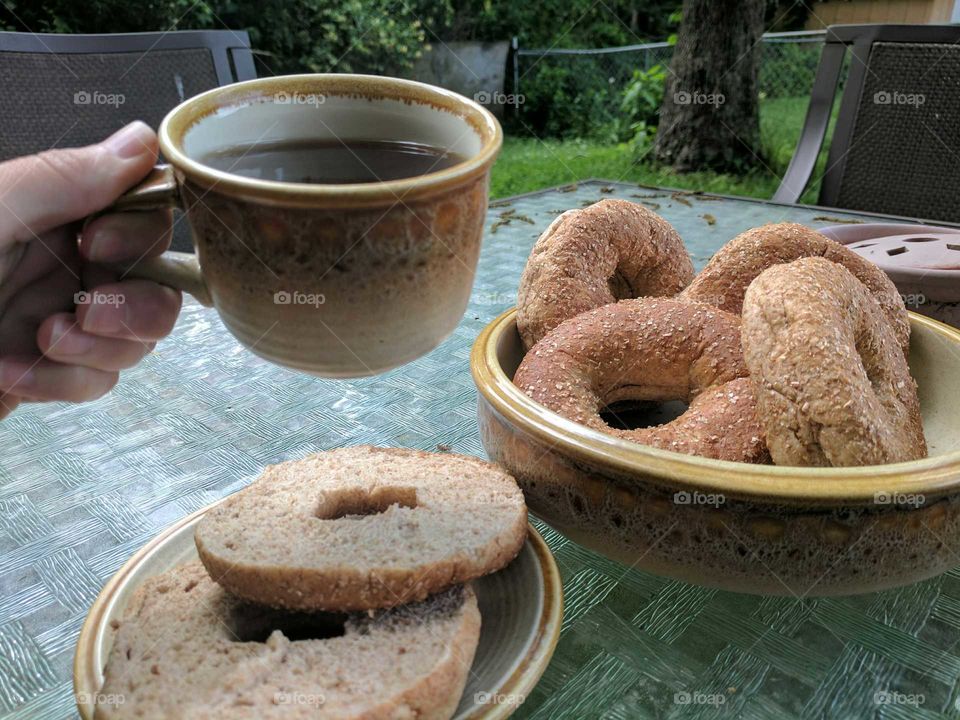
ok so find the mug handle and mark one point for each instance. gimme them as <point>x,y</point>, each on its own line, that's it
<point>179,270</point>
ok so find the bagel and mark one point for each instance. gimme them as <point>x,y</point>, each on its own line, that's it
<point>725,278</point>
<point>609,251</point>
<point>833,387</point>
<point>651,349</point>
<point>186,648</point>
<point>363,527</point>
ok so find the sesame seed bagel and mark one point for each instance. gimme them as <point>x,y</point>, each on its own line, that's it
<point>363,527</point>
<point>725,278</point>
<point>609,251</point>
<point>651,349</point>
<point>833,387</point>
<point>186,648</point>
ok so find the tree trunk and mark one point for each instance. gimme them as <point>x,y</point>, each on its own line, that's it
<point>709,118</point>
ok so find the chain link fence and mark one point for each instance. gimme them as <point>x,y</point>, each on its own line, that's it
<point>577,93</point>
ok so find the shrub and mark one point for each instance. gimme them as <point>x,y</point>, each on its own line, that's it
<point>561,23</point>
<point>567,98</point>
<point>570,96</point>
<point>379,36</point>
<point>640,108</point>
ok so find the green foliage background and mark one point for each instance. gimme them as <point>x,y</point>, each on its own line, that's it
<point>381,36</point>
<point>600,102</point>
<point>355,35</point>
<point>562,23</point>
<point>387,36</point>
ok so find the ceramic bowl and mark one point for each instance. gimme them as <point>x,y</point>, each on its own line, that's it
<point>521,608</point>
<point>742,527</point>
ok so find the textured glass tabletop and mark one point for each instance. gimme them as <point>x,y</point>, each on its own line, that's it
<point>83,487</point>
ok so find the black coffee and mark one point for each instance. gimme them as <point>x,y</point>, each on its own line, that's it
<point>332,161</point>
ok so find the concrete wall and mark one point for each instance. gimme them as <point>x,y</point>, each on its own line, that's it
<point>474,69</point>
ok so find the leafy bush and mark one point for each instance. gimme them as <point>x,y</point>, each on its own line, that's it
<point>570,96</point>
<point>567,100</point>
<point>379,36</point>
<point>564,97</point>
<point>561,23</point>
<point>640,108</point>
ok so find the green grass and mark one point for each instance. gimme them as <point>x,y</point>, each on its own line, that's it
<point>527,164</point>
<point>781,121</point>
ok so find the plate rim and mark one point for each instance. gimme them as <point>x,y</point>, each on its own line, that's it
<point>521,681</point>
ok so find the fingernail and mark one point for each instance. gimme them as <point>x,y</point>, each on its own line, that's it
<point>130,141</point>
<point>103,318</point>
<point>15,374</point>
<point>102,245</point>
<point>65,342</point>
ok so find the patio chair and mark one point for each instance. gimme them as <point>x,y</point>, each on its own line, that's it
<point>896,143</point>
<point>71,90</point>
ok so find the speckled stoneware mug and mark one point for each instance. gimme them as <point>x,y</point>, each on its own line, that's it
<point>338,280</point>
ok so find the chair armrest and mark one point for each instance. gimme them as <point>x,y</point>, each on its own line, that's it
<point>815,125</point>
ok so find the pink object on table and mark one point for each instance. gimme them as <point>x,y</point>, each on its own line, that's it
<point>922,260</point>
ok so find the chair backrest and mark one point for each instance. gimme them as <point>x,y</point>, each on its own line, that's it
<point>896,144</point>
<point>72,90</point>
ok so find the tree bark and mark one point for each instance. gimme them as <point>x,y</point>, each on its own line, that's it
<point>709,118</point>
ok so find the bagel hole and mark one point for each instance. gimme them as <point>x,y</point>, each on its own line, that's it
<point>248,622</point>
<point>619,287</point>
<point>633,415</point>
<point>362,502</point>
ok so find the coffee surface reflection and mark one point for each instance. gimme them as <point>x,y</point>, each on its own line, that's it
<point>334,162</point>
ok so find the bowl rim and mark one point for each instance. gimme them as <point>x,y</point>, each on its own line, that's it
<point>776,483</point>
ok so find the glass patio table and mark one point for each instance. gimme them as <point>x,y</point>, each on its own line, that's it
<point>83,487</point>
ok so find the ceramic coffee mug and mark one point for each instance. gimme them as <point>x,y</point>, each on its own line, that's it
<point>336,280</point>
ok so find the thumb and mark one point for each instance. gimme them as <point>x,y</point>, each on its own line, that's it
<point>43,191</point>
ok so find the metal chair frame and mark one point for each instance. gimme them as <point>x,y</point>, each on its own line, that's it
<point>859,39</point>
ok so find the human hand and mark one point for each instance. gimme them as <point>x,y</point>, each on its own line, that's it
<point>69,322</point>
